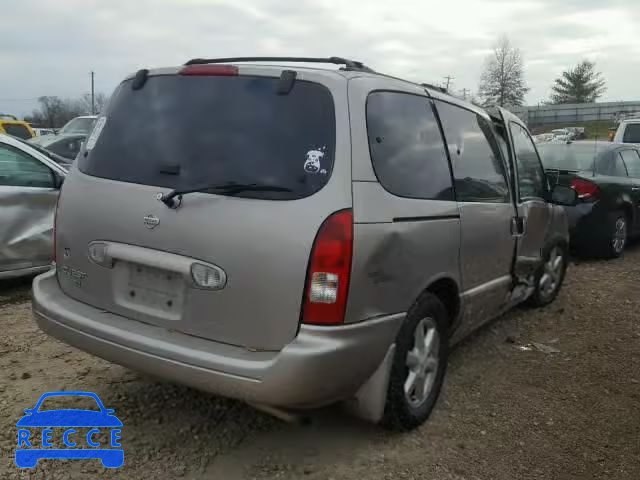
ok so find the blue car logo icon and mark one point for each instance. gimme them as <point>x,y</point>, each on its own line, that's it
<point>29,451</point>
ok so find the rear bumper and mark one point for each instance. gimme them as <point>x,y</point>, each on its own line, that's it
<point>320,366</point>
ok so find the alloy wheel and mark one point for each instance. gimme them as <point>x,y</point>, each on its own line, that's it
<point>552,273</point>
<point>619,239</point>
<point>422,362</point>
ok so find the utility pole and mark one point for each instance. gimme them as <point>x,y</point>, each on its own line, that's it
<point>464,93</point>
<point>93,95</point>
<point>448,78</point>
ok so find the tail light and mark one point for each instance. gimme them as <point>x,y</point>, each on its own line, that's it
<point>586,190</point>
<point>327,285</point>
<point>55,219</point>
<point>210,70</point>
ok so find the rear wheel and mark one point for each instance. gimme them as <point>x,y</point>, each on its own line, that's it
<point>617,235</point>
<point>419,364</point>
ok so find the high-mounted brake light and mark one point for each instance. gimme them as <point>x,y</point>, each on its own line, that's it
<point>327,284</point>
<point>210,70</point>
<point>586,190</point>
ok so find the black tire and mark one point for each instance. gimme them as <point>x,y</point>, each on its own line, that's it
<point>540,297</point>
<point>607,247</point>
<point>399,414</point>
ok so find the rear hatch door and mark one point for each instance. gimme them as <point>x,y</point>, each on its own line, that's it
<point>188,132</point>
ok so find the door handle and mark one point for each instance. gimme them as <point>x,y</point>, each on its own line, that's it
<point>518,226</point>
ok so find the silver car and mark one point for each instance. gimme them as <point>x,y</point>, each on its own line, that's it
<point>295,236</point>
<point>30,181</point>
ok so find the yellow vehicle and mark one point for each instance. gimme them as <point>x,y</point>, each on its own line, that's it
<point>16,128</point>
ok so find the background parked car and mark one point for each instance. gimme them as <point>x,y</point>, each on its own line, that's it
<point>543,137</point>
<point>43,131</point>
<point>29,186</point>
<point>66,146</point>
<point>562,135</point>
<point>607,179</point>
<point>15,128</point>
<point>579,133</point>
<point>628,131</point>
<point>79,125</point>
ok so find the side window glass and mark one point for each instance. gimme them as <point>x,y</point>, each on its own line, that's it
<point>631,133</point>
<point>478,168</point>
<point>617,167</point>
<point>406,146</point>
<point>531,179</point>
<point>632,161</point>
<point>17,169</point>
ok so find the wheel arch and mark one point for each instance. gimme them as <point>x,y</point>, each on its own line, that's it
<point>447,291</point>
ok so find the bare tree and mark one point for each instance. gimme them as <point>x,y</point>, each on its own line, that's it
<point>54,112</point>
<point>581,84</point>
<point>502,82</point>
<point>84,103</point>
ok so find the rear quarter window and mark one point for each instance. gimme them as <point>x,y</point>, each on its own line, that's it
<point>406,146</point>
<point>190,131</point>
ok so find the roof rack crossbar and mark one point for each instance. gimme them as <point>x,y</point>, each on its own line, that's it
<point>349,64</point>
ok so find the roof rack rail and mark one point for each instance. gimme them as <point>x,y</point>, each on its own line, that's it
<point>348,64</point>
<point>433,87</point>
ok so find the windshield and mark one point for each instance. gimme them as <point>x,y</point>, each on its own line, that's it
<point>568,157</point>
<point>632,133</point>
<point>186,131</point>
<point>78,125</point>
<point>44,140</point>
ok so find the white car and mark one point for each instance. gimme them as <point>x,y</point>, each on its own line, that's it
<point>628,131</point>
<point>30,182</point>
<point>79,125</point>
<point>543,138</point>
<point>43,131</point>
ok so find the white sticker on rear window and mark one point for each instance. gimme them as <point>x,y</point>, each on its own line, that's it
<point>312,163</point>
<point>95,133</point>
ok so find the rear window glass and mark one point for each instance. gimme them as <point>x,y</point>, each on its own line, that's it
<point>192,131</point>
<point>16,130</point>
<point>568,157</point>
<point>632,133</point>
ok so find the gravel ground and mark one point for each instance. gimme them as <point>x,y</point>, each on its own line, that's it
<point>537,394</point>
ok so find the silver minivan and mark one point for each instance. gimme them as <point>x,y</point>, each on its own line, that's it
<point>297,236</point>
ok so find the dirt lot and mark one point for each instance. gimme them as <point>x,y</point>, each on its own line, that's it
<point>566,409</point>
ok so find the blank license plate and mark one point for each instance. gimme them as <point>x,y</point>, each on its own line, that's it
<point>155,288</point>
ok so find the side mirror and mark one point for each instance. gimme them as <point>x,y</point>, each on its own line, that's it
<point>562,195</point>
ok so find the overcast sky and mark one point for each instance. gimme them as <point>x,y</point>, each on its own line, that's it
<point>49,47</point>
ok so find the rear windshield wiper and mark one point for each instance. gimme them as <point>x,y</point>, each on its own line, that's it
<point>169,199</point>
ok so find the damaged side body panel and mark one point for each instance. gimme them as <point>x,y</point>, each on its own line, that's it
<point>26,216</point>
